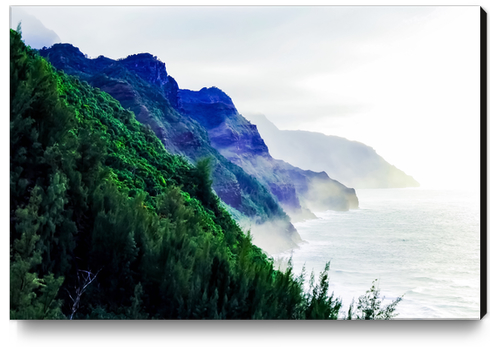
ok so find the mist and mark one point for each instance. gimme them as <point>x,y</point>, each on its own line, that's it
<point>354,164</point>
<point>33,31</point>
<point>273,236</point>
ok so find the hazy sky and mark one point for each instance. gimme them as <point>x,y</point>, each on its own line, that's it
<point>403,80</point>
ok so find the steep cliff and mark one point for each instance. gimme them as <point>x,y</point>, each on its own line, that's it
<point>99,207</point>
<point>205,124</point>
<point>141,84</point>
<point>239,141</point>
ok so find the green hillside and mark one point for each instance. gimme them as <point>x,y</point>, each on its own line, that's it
<point>106,224</point>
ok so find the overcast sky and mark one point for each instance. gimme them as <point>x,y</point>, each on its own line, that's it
<point>403,80</point>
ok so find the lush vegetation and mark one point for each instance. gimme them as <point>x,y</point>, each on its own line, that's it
<point>106,224</point>
<point>180,133</point>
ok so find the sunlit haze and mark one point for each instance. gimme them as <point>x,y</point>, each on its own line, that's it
<point>403,80</point>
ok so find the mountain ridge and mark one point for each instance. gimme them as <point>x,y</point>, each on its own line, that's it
<point>359,165</point>
<point>105,223</point>
<point>205,123</point>
<point>239,141</point>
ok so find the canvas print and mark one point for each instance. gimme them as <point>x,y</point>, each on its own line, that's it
<point>241,162</point>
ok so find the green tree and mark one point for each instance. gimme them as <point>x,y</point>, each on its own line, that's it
<point>31,297</point>
<point>369,307</point>
<point>321,304</point>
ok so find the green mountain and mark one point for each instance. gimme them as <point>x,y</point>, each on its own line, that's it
<point>105,223</point>
<point>257,188</point>
<point>141,84</point>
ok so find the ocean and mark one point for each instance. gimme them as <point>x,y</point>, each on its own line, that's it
<point>421,243</point>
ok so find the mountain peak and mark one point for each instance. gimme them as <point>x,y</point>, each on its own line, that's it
<point>67,57</point>
<point>67,48</point>
<point>148,67</point>
<point>212,95</point>
<point>141,56</point>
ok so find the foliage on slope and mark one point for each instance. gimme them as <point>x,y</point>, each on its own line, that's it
<point>106,224</point>
<point>140,83</point>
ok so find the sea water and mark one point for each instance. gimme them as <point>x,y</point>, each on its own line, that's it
<point>423,244</point>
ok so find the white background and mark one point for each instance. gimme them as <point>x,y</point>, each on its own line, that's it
<point>275,333</point>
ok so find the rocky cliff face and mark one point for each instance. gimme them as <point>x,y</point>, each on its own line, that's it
<point>205,123</point>
<point>147,67</point>
<point>239,141</point>
<point>141,84</point>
